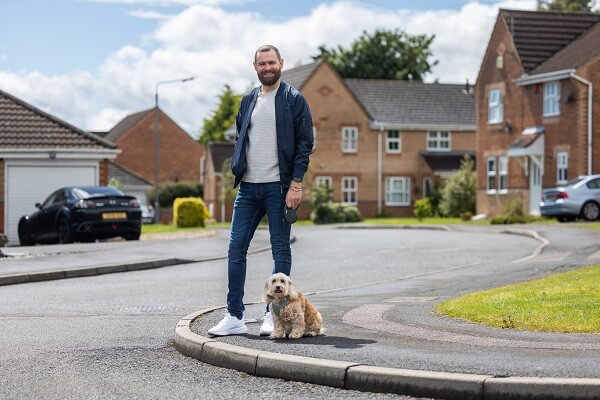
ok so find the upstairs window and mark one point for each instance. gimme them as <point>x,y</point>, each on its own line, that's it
<point>551,99</point>
<point>495,107</point>
<point>438,141</point>
<point>562,164</point>
<point>349,139</point>
<point>393,142</point>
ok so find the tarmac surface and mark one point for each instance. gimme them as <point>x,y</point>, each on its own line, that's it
<point>369,340</point>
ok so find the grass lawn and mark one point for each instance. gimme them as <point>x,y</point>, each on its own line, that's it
<point>163,228</point>
<point>566,302</point>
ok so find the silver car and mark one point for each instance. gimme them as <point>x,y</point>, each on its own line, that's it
<point>580,197</point>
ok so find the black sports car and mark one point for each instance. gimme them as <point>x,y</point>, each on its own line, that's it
<point>82,214</point>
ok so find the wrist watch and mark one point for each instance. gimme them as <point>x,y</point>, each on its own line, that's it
<point>299,180</point>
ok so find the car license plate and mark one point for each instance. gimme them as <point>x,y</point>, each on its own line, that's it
<point>114,215</point>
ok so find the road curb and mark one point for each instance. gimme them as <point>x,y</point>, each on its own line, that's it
<point>354,376</point>
<point>51,275</point>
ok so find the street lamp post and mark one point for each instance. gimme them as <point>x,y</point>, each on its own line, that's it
<point>156,144</point>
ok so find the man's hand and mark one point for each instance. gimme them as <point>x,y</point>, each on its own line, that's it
<point>294,195</point>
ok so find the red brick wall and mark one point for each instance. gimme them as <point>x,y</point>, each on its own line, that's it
<point>179,154</point>
<point>103,173</point>
<point>2,227</point>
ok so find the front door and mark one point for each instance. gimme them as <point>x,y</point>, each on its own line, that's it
<point>535,187</point>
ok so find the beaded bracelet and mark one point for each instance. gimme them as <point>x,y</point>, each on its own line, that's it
<point>295,189</point>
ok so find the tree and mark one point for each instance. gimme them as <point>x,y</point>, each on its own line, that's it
<point>222,118</point>
<point>460,190</point>
<point>565,5</point>
<point>383,54</point>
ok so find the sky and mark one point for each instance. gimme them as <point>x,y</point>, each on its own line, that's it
<point>93,62</point>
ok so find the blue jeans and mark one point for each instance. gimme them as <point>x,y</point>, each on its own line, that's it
<point>253,201</point>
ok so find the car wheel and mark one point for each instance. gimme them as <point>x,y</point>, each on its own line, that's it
<point>132,236</point>
<point>590,211</point>
<point>64,231</point>
<point>25,234</point>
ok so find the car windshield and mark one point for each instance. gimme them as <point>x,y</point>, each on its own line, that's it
<point>87,192</point>
<point>574,182</point>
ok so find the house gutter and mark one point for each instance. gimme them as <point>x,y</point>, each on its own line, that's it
<point>590,111</point>
<point>380,127</point>
<point>566,74</point>
<point>423,127</point>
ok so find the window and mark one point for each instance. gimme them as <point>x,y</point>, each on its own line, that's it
<point>350,190</point>
<point>438,141</point>
<point>562,165</point>
<point>393,142</point>
<point>349,139</point>
<point>397,191</point>
<point>551,99</point>
<point>323,180</point>
<point>491,175</point>
<point>427,186</point>
<point>495,107</point>
<point>503,174</point>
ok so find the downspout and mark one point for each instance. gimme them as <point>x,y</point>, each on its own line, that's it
<point>590,112</point>
<point>379,168</point>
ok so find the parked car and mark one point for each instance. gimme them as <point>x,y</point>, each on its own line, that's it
<point>580,197</point>
<point>147,214</point>
<point>82,214</point>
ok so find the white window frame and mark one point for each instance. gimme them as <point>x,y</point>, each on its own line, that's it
<point>435,140</point>
<point>562,167</point>
<point>495,106</point>
<point>349,139</point>
<point>503,174</point>
<point>552,99</point>
<point>427,181</point>
<point>404,191</point>
<point>491,181</point>
<point>350,190</point>
<point>393,140</point>
<point>319,180</point>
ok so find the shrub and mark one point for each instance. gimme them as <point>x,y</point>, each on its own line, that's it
<point>422,209</point>
<point>351,214</point>
<point>168,192</point>
<point>330,213</point>
<point>189,211</point>
<point>460,190</point>
<point>513,214</point>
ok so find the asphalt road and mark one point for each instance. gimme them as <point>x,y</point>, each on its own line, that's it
<point>110,336</point>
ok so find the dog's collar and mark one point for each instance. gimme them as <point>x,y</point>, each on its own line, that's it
<point>277,307</point>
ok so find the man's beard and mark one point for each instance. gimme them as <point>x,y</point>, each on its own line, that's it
<point>271,80</point>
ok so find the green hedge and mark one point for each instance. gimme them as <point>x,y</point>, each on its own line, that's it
<point>169,191</point>
<point>189,211</point>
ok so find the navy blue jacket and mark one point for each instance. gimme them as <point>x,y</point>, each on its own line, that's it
<point>294,133</point>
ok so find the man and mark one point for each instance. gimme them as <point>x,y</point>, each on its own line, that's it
<point>270,158</point>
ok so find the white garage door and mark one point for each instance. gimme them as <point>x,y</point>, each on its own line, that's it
<point>30,184</point>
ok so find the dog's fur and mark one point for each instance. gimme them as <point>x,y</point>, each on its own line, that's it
<point>297,316</point>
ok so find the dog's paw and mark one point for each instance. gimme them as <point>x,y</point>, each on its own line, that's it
<point>295,335</point>
<point>276,335</point>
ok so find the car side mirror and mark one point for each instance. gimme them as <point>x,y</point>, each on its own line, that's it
<point>38,205</point>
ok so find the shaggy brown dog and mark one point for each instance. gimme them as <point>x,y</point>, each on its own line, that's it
<point>293,314</point>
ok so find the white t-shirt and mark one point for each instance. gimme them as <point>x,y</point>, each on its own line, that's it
<point>262,162</point>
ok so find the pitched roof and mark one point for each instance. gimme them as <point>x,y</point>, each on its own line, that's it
<point>415,104</point>
<point>125,124</point>
<point>297,77</point>
<point>573,55</point>
<point>538,35</point>
<point>219,152</point>
<point>25,126</point>
<point>125,176</point>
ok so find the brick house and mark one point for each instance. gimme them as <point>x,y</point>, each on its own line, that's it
<point>212,178</point>
<point>538,107</point>
<point>40,153</point>
<point>179,154</point>
<point>382,144</point>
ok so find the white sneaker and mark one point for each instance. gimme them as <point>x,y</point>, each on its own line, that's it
<point>229,325</point>
<point>267,326</point>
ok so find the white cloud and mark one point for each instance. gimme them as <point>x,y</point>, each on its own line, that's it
<point>148,14</point>
<point>217,48</point>
<point>213,3</point>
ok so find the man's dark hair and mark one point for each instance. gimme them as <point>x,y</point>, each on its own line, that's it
<point>267,47</point>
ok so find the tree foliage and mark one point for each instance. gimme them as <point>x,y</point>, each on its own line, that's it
<point>384,54</point>
<point>460,190</point>
<point>565,5</point>
<point>222,118</point>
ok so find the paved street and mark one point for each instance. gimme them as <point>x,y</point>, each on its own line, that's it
<point>110,336</point>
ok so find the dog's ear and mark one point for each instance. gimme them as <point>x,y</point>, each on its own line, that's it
<point>267,293</point>
<point>292,294</point>
<point>267,298</point>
